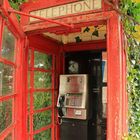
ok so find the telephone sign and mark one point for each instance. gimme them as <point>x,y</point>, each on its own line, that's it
<point>67,9</point>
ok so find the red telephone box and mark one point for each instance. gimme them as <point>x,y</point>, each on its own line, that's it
<point>57,37</point>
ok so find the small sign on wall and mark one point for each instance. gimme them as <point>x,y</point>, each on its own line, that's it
<point>104,67</point>
<point>104,101</point>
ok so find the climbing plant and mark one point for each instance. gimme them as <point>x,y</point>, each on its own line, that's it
<point>16,3</point>
<point>130,13</point>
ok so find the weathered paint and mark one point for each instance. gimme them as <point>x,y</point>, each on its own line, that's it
<point>67,9</point>
<point>117,98</point>
<point>11,22</point>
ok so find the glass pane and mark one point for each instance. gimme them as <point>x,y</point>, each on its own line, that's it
<point>45,135</point>
<point>6,79</point>
<point>9,137</point>
<point>28,102</point>
<point>42,60</point>
<point>29,85</point>
<point>42,80</point>
<point>28,123</point>
<point>8,45</point>
<point>5,114</point>
<point>29,57</point>
<point>42,119</point>
<point>42,99</point>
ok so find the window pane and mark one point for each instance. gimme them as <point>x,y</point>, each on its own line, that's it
<point>28,102</point>
<point>42,99</point>
<point>45,135</point>
<point>29,57</point>
<point>42,60</point>
<point>9,137</point>
<point>5,114</point>
<point>29,85</point>
<point>6,79</point>
<point>42,119</point>
<point>42,80</point>
<point>8,45</point>
<point>28,123</point>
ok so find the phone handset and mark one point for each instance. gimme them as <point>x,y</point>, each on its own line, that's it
<point>61,106</point>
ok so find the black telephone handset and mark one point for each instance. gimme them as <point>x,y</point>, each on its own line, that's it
<point>61,105</point>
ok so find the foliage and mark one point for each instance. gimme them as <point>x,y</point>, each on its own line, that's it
<point>5,114</point>
<point>130,12</point>
<point>6,79</point>
<point>45,135</point>
<point>42,80</point>
<point>16,3</point>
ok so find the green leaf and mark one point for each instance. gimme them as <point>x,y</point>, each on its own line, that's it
<point>95,33</point>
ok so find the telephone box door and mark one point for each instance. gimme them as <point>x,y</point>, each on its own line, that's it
<point>11,47</point>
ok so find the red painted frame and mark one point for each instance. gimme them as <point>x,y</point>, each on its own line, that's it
<point>38,43</point>
<point>11,23</point>
<point>41,4</point>
<point>32,90</point>
<point>117,98</point>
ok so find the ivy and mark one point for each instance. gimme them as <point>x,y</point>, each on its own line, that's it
<point>130,13</point>
<point>16,3</point>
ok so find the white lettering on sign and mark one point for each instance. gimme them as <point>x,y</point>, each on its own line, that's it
<point>67,9</point>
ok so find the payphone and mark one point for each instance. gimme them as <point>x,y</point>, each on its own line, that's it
<point>73,107</point>
<point>81,101</point>
<point>73,94</point>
